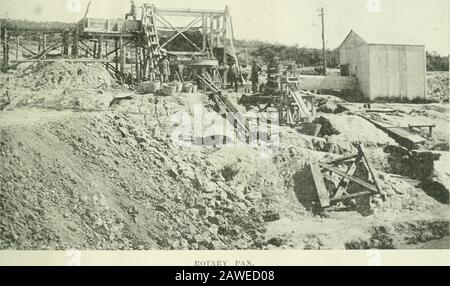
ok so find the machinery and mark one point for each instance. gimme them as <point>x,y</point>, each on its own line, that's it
<point>131,48</point>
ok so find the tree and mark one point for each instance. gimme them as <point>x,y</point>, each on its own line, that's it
<point>301,55</point>
<point>436,62</point>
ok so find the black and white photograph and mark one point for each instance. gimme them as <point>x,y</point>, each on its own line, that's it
<point>224,125</point>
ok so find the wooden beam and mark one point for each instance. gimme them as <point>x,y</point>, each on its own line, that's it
<point>342,159</point>
<point>369,167</point>
<point>322,192</point>
<point>5,48</point>
<point>23,49</point>
<point>137,62</point>
<point>121,55</point>
<point>116,50</point>
<point>65,44</point>
<point>204,34</point>
<point>181,32</point>
<point>17,47</point>
<point>187,12</point>
<point>63,60</point>
<point>351,196</point>
<point>225,28</point>
<point>351,178</point>
<point>211,31</point>
<point>343,183</point>
<point>76,38</point>
<point>100,47</point>
<point>44,44</point>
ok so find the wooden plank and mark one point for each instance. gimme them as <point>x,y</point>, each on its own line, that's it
<point>301,104</point>
<point>204,33</point>
<point>187,12</point>
<point>421,125</point>
<point>402,135</point>
<point>342,159</point>
<point>344,181</point>
<point>121,55</point>
<point>370,168</point>
<point>384,110</point>
<point>63,60</point>
<point>352,178</point>
<point>321,189</point>
<point>351,196</point>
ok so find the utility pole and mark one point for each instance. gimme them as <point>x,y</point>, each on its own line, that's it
<point>323,42</point>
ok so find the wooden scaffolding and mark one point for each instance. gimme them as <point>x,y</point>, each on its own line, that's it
<point>130,49</point>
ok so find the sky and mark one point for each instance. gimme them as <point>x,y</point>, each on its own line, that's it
<point>283,21</point>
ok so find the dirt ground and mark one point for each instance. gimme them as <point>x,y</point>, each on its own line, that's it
<point>98,167</point>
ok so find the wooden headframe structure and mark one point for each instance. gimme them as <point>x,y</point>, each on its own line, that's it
<point>130,49</point>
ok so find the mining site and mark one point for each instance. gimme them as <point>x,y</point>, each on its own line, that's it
<point>139,134</point>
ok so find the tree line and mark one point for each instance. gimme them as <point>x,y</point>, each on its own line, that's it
<point>436,62</point>
<point>262,51</point>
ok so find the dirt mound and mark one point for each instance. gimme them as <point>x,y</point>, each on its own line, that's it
<point>331,106</point>
<point>115,181</point>
<point>60,75</point>
<point>438,86</point>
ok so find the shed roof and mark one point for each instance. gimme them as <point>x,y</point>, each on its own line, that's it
<point>380,37</point>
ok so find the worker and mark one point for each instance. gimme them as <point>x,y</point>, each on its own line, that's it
<point>164,68</point>
<point>132,12</point>
<point>223,70</point>
<point>256,70</point>
<point>233,76</point>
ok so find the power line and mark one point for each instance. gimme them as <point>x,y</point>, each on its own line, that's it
<point>322,15</point>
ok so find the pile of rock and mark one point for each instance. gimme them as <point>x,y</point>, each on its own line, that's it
<point>61,75</point>
<point>438,86</point>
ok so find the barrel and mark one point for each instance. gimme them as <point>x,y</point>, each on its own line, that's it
<point>169,89</point>
<point>187,87</point>
<point>149,87</point>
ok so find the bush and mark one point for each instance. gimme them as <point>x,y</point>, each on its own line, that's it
<point>436,62</point>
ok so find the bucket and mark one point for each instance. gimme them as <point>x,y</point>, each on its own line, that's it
<point>169,89</point>
<point>194,88</point>
<point>149,87</point>
<point>178,85</point>
<point>187,87</point>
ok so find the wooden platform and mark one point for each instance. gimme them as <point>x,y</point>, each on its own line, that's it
<point>327,82</point>
<point>402,135</point>
<point>109,26</point>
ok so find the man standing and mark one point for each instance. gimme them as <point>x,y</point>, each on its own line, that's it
<point>164,68</point>
<point>256,69</point>
<point>132,12</point>
<point>233,76</point>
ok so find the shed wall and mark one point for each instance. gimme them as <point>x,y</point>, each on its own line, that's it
<point>354,52</point>
<point>397,71</point>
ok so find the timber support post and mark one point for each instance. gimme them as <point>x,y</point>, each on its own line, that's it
<point>116,53</point>
<point>75,44</point>
<point>44,45</point>
<point>121,55</point>
<point>17,47</point>
<point>5,49</point>
<point>65,51</point>
<point>100,48</point>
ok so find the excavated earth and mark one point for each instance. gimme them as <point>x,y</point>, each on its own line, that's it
<point>89,168</point>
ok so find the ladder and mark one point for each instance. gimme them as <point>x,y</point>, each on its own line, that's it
<point>235,117</point>
<point>151,36</point>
